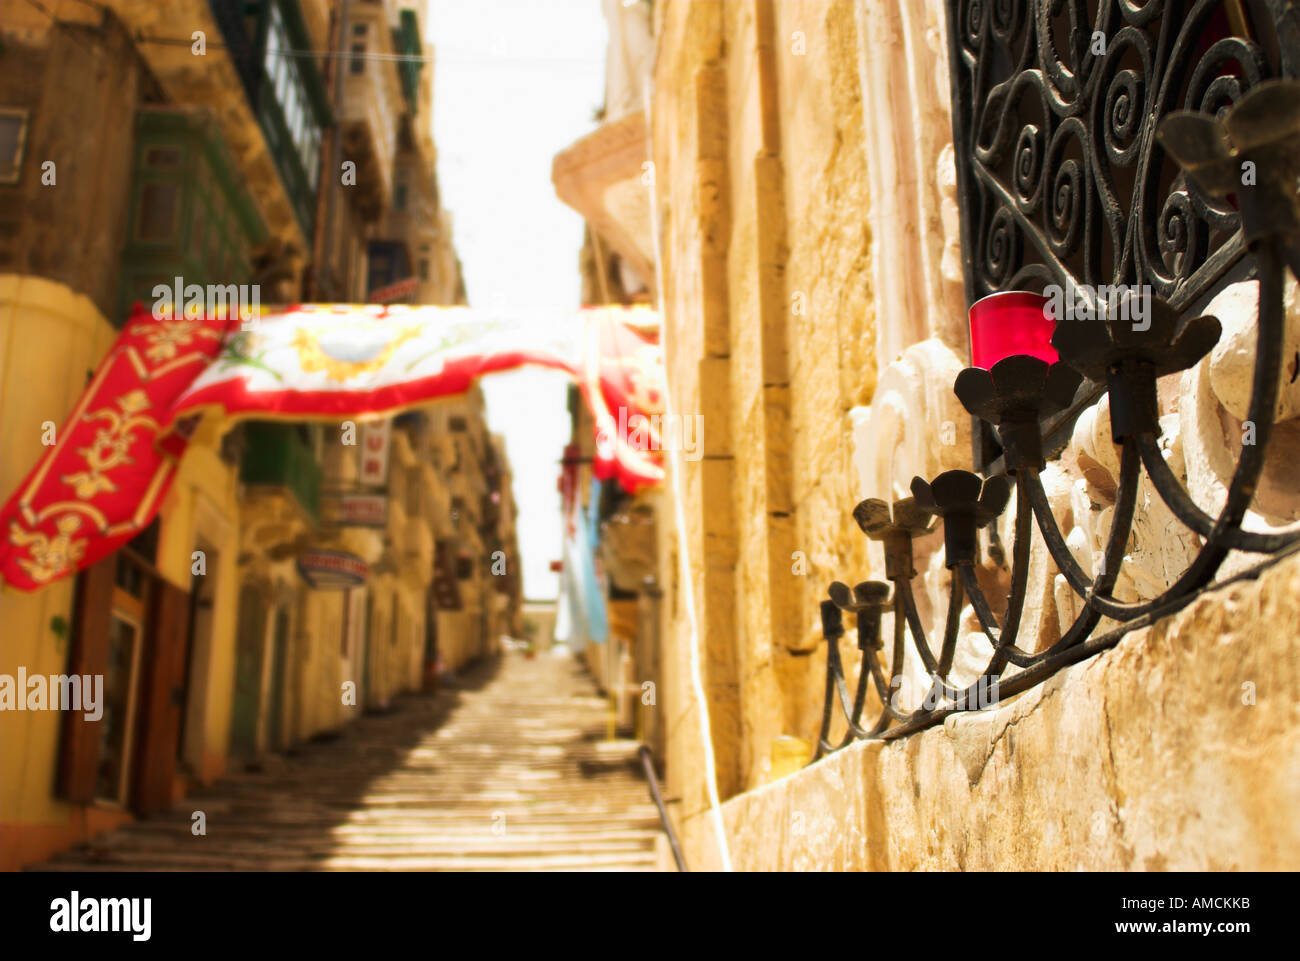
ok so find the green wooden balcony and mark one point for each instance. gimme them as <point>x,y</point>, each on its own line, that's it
<point>190,216</point>
<point>279,455</point>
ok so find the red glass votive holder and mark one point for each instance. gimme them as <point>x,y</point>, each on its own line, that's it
<point>1010,322</point>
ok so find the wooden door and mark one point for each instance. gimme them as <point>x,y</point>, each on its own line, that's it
<point>363,692</point>
<point>279,658</point>
<point>88,655</point>
<point>162,698</point>
<point>245,709</point>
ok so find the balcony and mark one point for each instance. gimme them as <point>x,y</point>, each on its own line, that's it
<point>291,103</point>
<point>278,457</point>
<point>372,105</point>
<point>406,39</point>
<point>599,176</point>
<point>273,105</point>
<point>189,214</point>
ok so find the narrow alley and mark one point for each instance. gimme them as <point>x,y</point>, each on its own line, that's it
<point>508,770</point>
<point>670,436</point>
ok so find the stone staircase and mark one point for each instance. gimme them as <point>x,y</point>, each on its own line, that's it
<point>506,771</point>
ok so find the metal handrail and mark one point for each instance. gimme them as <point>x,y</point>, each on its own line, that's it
<point>648,765</point>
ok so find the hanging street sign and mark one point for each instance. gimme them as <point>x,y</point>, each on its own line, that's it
<point>392,292</point>
<point>332,570</point>
<point>375,439</point>
<point>363,510</point>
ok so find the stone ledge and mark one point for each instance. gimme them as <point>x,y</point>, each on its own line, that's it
<point>1145,757</point>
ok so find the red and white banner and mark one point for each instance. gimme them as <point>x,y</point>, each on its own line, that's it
<point>104,480</point>
<point>335,361</point>
<point>114,458</point>
<point>343,360</point>
<point>622,380</point>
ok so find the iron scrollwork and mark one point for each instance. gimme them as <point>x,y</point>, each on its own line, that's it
<point>1061,178</point>
<point>1259,133</point>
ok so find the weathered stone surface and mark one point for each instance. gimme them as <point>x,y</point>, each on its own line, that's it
<point>811,241</point>
<point>917,425</point>
<point>1179,749</point>
<point>1232,361</point>
<point>715,432</point>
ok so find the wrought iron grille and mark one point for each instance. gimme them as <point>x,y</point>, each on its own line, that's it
<point>1061,179</point>
<point>1119,167</point>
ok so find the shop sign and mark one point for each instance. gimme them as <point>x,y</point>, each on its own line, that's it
<point>332,570</point>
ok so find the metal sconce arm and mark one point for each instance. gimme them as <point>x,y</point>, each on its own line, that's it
<point>1014,395</point>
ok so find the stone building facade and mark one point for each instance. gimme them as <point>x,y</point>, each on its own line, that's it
<point>165,156</point>
<point>816,270</point>
<point>604,177</point>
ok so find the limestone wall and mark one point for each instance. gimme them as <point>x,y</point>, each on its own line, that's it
<point>1176,750</point>
<point>770,265</point>
<point>814,315</point>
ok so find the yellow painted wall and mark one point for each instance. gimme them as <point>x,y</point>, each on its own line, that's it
<point>316,678</point>
<point>203,503</point>
<point>50,337</point>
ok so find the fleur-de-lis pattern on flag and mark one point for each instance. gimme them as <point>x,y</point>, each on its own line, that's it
<point>116,455</point>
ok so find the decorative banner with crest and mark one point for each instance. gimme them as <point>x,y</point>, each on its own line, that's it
<point>330,361</point>
<point>105,479</point>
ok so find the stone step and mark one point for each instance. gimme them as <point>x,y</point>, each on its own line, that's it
<point>399,848</point>
<point>517,827</point>
<point>424,787</point>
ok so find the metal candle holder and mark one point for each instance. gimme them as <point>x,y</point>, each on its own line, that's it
<point>1262,132</point>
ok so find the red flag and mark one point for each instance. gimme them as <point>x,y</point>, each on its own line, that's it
<point>101,483</point>
<point>104,480</point>
<point>623,384</point>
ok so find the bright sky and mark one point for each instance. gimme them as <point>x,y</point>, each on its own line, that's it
<point>517,81</point>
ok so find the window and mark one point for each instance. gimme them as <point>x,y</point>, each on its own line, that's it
<point>357,65</point>
<point>293,118</point>
<point>284,73</point>
<point>399,196</point>
<point>155,218</point>
<point>163,158</point>
<point>13,137</point>
<point>313,158</point>
<point>121,676</point>
<point>197,225</point>
<point>424,268</point>
<point>273,60</point>
<point>272,35</point>
<point>281,78</point>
